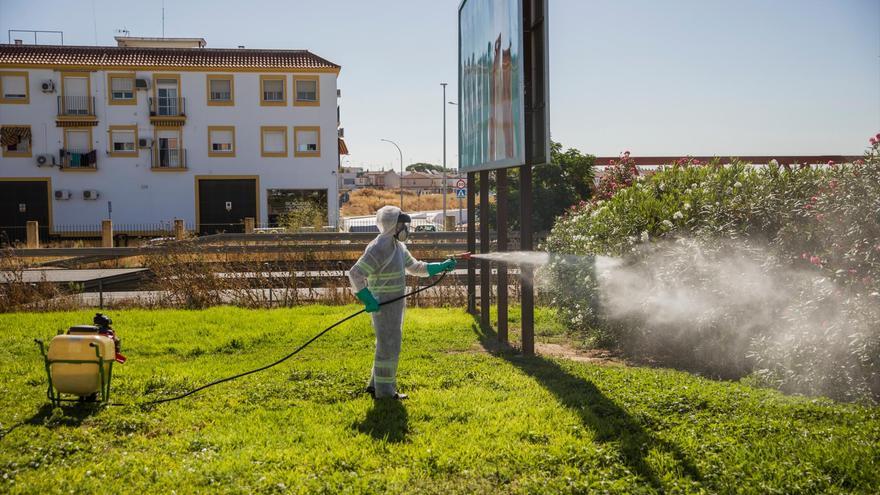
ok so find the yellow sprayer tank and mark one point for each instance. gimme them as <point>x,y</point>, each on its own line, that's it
<point>79,378</point>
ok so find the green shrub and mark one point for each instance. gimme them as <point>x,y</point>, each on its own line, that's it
<point>732,270</point>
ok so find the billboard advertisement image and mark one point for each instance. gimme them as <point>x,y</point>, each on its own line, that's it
<point>491,123</point>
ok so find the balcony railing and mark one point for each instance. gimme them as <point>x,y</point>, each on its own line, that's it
<point>79,159</point>
<point>167,107</point>
<point>81,106</point>
<point>169,158</point>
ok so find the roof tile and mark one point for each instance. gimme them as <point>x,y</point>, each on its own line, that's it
<point>110,57</point>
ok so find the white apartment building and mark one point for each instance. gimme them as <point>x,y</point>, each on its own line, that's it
<point>154,130</point>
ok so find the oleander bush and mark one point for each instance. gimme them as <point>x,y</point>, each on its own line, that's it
<point>771,272</point>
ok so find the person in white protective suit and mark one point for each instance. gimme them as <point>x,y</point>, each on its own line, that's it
<point>380,275</point>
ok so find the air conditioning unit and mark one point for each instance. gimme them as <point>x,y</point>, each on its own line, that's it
<point>144,142</point>
<point>62,194</point>
<point>91,194</point>
<point>143,84</point>
<point>47,86</point>
<point>44,160</point>
<point>341,132</point>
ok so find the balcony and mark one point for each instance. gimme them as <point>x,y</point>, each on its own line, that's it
<point>167,111</point>
<point>169,159</point>
<point>76,159</point>
<point>76,108</point>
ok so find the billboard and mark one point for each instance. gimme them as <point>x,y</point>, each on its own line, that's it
<point>490,85</point>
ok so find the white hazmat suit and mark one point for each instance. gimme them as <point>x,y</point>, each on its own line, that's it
<point>382,269</point>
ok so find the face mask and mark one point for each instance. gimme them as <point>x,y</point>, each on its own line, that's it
<point>402,233</point>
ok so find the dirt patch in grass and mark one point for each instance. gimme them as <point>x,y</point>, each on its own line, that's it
<point>553,350</point>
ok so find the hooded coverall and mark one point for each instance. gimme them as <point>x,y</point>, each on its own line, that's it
<point>382,268</point>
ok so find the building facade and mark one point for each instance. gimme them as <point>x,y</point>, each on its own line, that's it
<point>154,130</point>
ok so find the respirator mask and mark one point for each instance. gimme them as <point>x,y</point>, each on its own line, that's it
<point>402,233</point>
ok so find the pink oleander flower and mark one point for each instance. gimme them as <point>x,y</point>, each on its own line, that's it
<point>805,256</point>
<point>830,163</point>
<point>873,141</point>
<point>816,260</point>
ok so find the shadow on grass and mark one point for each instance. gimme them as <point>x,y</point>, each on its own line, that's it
<point>608,421</point>
<point>386,420</point>
<point>51,417</point>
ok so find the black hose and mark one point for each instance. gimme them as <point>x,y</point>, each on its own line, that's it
<point>285,358</point>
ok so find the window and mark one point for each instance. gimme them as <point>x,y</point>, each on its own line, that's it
<point>14,87</point>
<point>75,91</point>
<point>16,140</point>
<point>306,141</point>
<point>169,151</point>
<point>220,90</point>
<point>166,92</point>
<point>121,89</point>
<point>78,152</point>
<point>221,140</point>
<point>272,90</point>
<point>307,91</point>
<point>273,141</point>
<point>123,140</point>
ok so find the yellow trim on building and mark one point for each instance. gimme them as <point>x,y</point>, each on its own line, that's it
<point>152,68</point>
<point>307,103</point>
<point>273,128</point>
<point>306,154</point>
<point>283,79</point>
<point>220,77</point>
<point>121,75</point>
<point>122,154</point>
<point>18,154</point>
<point>27,88</point>
<point>222,177</point>
<point>218,154</point>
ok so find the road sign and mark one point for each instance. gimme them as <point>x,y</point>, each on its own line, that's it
<point>460,184</point>
<point>460,193</point>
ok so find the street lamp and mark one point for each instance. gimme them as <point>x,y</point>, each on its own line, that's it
<point>458,220</point>
<point>401,169</point>
<point>444,154</point>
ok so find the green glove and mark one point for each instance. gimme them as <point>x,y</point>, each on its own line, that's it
<point>445,266</point>
<point>370,302</point>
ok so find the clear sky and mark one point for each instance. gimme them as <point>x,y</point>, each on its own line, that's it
<point>699,77</point>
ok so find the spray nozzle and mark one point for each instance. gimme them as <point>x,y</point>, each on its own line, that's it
<point>460,256</point>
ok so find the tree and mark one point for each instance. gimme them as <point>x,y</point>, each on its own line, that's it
<point>428,167</point>
<point>564,182</point>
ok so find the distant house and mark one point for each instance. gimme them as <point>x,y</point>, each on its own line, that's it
<point>164,128</point>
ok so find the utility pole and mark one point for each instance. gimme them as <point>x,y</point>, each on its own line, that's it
<point>401,169</point>
<point>444,154</point>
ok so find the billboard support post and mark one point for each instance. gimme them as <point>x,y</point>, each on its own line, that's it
<point>485,266</point>
<point>501,207</point>
<point>527,297</point>
<point>471,245</point>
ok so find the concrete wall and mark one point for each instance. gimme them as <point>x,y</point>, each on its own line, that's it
<point>141,195</point>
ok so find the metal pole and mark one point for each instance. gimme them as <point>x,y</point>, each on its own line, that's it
<point>401,169</point>
<point>501,205</point>
<point>485,267</point>
<point>471,244</point>
<point>444,155</point>
<point>526,271</point>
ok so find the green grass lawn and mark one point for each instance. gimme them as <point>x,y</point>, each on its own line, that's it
<point>475,422</point>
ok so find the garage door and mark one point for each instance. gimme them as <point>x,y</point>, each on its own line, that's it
<point>21,201</point>
<point>225,203</point>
